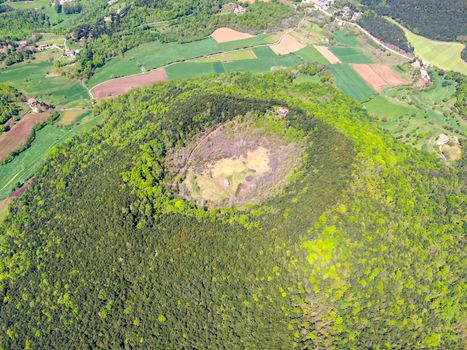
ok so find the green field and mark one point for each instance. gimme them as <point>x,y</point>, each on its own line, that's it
<point>155,54</point>
<point>31,78</point>
<point>310,54</point>
<point>345,38</point>
<point>350,82</point>
<point>445,55</point>
<point>350,55</point>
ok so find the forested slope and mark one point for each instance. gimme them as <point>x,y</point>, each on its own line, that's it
<point>360,250</point>
<point>439,20</point>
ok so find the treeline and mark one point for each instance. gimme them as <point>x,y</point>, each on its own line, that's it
<point>17,24</point>
<point>385,30</point>
<point>9,98</point>
<point>433,19</point>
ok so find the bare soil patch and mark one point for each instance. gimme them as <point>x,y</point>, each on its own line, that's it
<point>19,133</point>
<point>323,50</point>
<point>288,44</point>
<point>222,35</point>
<point>379,76</point>
<point>119,86</point>
<point>234,165</point>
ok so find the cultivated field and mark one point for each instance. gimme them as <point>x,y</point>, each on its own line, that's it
<point>222,35</point>
<point>31,79</point>
<point>19,134</point>
<point>350,55</point>
<point>246,54</point>
<point>325,52</point>
<point>445,55</point>
<point>311,54</point>
<point>69,117</point>
<point>351,83</point>
<point>119,86</point>
<point>379,76</point>
<point>288,44</point>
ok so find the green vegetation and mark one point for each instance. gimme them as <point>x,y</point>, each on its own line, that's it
<point>384,30</point>
<point>155,54</point>
<point>16,25</point>
<point>351,83</point>
<point>445,55</point>
<point>310,54</point>
<point>350,55</point>
<point>246,54</point>
<point>437,20</point>
<point>418,116</point>
<point>9,98</point>
<point>32,79</point>
<point>360,250</point>
<point>28,162</point>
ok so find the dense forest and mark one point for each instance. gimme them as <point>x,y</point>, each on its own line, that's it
<point>385,30</point>
<point>17,24</point>
<point>431,18</point>
<point>361,249</point>
<point>9,98</point>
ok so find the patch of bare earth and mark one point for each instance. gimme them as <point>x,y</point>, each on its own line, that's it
<point>288,44</point>
<point>222,35</point>
<point>234,165</point>
<point>15,195</point>
<point>323,50</point>
<point>19,133</point>
<point>119,86</point>
<point>379,76</point>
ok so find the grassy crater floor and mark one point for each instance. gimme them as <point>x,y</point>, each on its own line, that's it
<point>239,162</point>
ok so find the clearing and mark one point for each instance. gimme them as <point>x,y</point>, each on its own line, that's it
<point>19,134</point>
<point>222,35</point>
<point>119,86</point>
<point>236,164</point>
<point>71,116</point>
<point>379,76</point>
<point>288,44</point>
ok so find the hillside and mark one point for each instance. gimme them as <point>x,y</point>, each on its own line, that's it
<point>119,243</point>
<point>436,20</point>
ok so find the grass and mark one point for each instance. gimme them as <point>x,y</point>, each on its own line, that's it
<point>349,82</point>
<point>261,39</point>
<point>350,55</point>
<point>309,33</point>
<point>190,69</point>
<point>310,54</point>
<point>407,123</point>
<point>26,164</point>
<point>345,38</point>
<point>442,54</point>
<point>245,54</point>
<point>31,79</point>
<point>70,117</point>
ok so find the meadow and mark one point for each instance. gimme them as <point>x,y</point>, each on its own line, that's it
<point>442,54</point>
<point>350,55</point>
<point>349,82</point>
<point>31,78</point>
